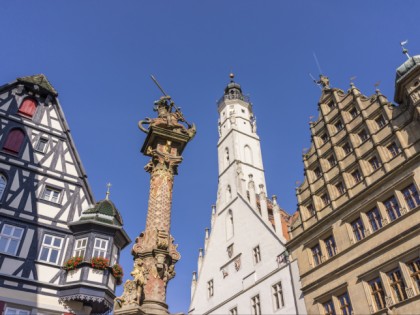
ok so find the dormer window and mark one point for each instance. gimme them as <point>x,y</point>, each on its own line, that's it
<point>28,107</point>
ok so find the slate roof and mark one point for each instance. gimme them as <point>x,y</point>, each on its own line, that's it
<point>105,211</point>
<point>40,80</point>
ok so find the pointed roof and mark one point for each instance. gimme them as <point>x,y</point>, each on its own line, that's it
<point>40,80</point>
<point>103,211</point>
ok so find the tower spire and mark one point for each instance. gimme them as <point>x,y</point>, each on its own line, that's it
<point>108,191</point>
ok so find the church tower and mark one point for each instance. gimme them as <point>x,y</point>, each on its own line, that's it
<point>243,268</point>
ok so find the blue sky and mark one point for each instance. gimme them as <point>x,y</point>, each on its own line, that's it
<point>99,56</point>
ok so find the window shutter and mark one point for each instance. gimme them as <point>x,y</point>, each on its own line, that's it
<point>28,107</point>
<point>14,141</point>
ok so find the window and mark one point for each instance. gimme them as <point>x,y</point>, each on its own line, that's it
<point>50,248</point>
<point>325,199</point>
<point>3,183</point>
<point>339,125</point>
<point>256,305</point>
<point>356,176</point>
<point>28,107</point>
<point>41,144</point>
<point>229,224</point>
<point>329,308</point>
<point>340,188</point>
<point>332,160</point>
<point>316,254</point>
<point>234,311</point>
<point>80,247</point>
<point>375,219</point>
<point>278,296</point>
<point>15,311</point>
<point>14,141</point>
<point>410,193</point>
<point>51,194</point>
<point>318,172</point>
<point>393,208</point>
<point>380,121</point>
<point>363,135</point>
<point>414,267</point>
<point>347,148</point>
<point>374,162</point>
<point>10,237</point>
<point>311,210</point>
<point>330,246</point>
<point>393,149</point>
<point>353,113</point>
<point>345,304</point>
<point>210,288</point>
<point>397,285</point>
<point>378,294</point>
<point>100,247</point>
<point>257,254</point>
<point>358,229</point>
<point>324,138</point>
<point>331,105</point>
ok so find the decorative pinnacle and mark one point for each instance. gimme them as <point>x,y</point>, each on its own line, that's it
<point>231,76</point>
<point>405,50</point>
<point>108,191</point>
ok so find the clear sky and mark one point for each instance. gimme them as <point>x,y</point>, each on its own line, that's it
<point>99,55</point>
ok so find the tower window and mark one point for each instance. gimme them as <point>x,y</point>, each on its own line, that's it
<point>210,288</point>
<point>340,188</point>
<point>325,199</point>
<point>374,162</point>
<point>229,225</point>
<point>356,176</point>
<point>339,125</point>
<point>100,247</point>
<point>393,208</point>
<point>358,229</point>
<point>330,246</point>
<point>311,210</point>
<point>331,160</point>
<point>375,219</point>
<point>353,113</point>
<point>316,255</point>
<point>278,296</point>
<point>80,247</point>
<point>393,149</point>
<point>324,138</point>
<point>380,121</point>
<point>14,141</point>
<point>346,148</point>
<point>256,305</point>
<point>410,193</point>
<point>28,107</point>
<point>331,105</point>
<point>318,172</point>
<point>363,135</point>
<point>257,254</point>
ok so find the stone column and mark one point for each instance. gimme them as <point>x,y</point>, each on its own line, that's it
<point>154,251</point>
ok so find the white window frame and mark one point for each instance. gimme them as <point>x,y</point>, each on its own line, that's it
<point>41,144</point>
<point>50,196</point>
<point>15,311</point>
<point>11,237</point>
<point>99,251</point>
<point>50,247</point>
<point>79,247</point>
<point>3,184</point>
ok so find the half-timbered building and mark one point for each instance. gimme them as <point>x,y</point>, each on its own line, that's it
<point>48,216</point>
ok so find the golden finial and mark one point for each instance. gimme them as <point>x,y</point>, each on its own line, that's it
<point>108,190</point>
<point>231,75</point>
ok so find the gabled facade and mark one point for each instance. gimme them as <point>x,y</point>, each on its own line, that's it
<point>243,268</point>
<point>356,238</point>
<point>43,195</point>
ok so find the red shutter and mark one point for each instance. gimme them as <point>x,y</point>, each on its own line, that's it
<point>28,107</point>
<point>14,141</point>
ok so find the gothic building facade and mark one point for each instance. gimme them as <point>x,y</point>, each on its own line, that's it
<point>243,268</point>
<point>356,238</point>
<point>48,214</point>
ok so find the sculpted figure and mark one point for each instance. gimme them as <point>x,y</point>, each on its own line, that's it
<point>138,274</point>
<point>129,295</point>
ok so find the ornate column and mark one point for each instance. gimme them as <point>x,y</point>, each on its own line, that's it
<point>154,251</point>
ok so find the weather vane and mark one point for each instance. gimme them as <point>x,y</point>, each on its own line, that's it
<point>405,50</point>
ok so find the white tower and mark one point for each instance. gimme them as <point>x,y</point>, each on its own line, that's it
<point>239,271</point>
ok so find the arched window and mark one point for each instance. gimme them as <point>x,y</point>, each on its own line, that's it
<point>3,183</point>
<point>14,141</point>
<point>229,224</point>
<point>28,107</point>
<point>248,154</point>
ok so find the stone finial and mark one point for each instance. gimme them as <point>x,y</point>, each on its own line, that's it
<point>200,252</point>
<point>194,276</point>
<point>213,209</point>
<point>207,233</point>
<point>274,199</point>
<point>261,186</point>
